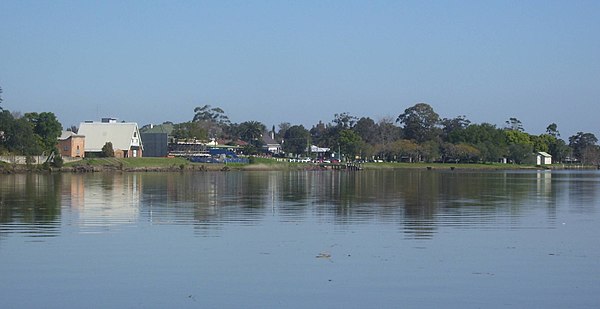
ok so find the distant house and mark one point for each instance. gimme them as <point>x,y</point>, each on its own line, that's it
<point>124,136</point>
<point>270,144</point>
<point>71,145</point>
<point>543,158</point>
<point>156,139</point>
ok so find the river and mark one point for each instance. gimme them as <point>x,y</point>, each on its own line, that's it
<point>301,239</point>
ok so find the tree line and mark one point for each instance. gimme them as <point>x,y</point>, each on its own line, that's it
<point>418,134</point>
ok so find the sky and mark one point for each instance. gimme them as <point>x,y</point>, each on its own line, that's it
<point>304,61</point>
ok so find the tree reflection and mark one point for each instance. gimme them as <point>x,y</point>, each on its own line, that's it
<point>30,204</point>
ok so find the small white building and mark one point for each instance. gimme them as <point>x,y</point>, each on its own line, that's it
<point>543,158</point>
<point>124,136</point>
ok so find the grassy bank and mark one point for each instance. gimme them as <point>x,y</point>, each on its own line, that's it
<point>256,164</point>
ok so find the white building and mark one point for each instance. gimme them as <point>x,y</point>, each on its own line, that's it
<point>124,136</point>
<point>543,158</point>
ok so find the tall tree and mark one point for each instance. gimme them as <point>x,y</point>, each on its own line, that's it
<point>213,120</point>
<point>367,129</point>
<point>420,122</point>
<point>350,143</point>
<point>453,126</point>
<point>552,129</point>
<point>514,124</point>
<point>251,131</point>
<point>580,142</point>
<point>17,136</point>
<point>46,127</point>
<point>212,114</point>
<point>296,140</point>
<point>344,120</point>
<point>283,127</point>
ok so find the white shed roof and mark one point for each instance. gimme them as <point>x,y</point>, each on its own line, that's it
<point>544,154</point>
<point>123,135</point>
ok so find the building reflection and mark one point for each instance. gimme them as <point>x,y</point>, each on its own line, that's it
<point>103,202</point>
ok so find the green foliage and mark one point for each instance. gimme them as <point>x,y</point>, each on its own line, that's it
<point>514,124</point>
<point>210,114</point>
<point>344,120</point>
<point>366,128</point>
<point>190,131</point>
<point>296,140</point>
<point>251,131</point>
<point>57,161</point>
<point>107,150</point>
<point>420,122</point>
<point>46,127</point>
<point>583,145</point>
<point>350,142</point>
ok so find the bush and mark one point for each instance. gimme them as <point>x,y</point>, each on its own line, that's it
<point>58,161</point>
<point>107,150</point>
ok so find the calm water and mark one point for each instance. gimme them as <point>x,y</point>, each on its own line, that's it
<point>368,239</point>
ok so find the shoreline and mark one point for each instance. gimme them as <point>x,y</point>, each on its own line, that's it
<point>182,165</point>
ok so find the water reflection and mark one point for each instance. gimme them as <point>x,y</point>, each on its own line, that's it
<point>29,204</point>
<point>418,202</point>
<point>101,202</point>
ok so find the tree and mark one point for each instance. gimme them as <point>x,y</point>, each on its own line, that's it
<point>367,129</point>
<point>283,127</point>
<point>107,150</point>
<point>212,119</point>
<point>251,132</point>
<point>552,129</point>
<point>420,122</point>
<point>350,142</point>
<point>344,120</point>
<point>190,130</point>
<point>514,124</point>
<point>453,126</point>
<point>296,140</point>
<point>46,127</point>
<point>580,142</point>
<point>387,131</point>
<point>403,150</point>
<point>559,150</point>
<point>429,151</point>
<point>459,152</point>
<point>211,114</point>
<point>17,136</point>
<point>488,139</point>
<point>1,99</point>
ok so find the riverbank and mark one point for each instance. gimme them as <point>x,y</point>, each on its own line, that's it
<point>257,164</point>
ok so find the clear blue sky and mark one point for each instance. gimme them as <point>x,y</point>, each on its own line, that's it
<point>304,61</point>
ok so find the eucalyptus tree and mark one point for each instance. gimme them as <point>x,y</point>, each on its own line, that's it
<point>211,114</point>
<point>367,129</point>
<point>212,119</point>
<point>344,120</point>
<point>514,124</point>
<point>420,122</point>
<point>552,129</point>
<point>453,126</point>
<point>581,143</point>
